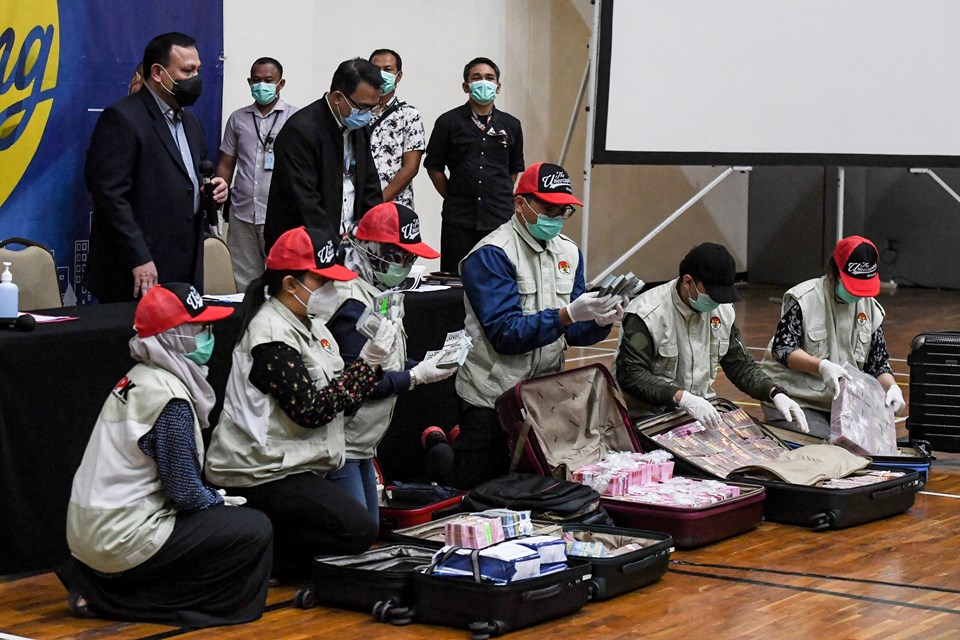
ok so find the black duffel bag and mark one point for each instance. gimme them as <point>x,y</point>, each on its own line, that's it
<point>546,498</point>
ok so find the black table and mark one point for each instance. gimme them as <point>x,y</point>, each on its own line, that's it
<point>54,380</point>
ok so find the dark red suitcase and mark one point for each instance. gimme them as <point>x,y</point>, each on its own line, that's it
<point>585,402</point>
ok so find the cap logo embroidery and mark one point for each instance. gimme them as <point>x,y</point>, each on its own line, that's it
<point>861,318</point>
<point>194,299</point>
<point>411,230</point>
<point>326,254</point>
<point>556,180</point>
<point>564,266</point>
<point>862,269</point>
<point>715,323</point>
<point>325,344</point>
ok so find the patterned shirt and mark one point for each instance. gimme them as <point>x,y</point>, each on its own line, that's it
<point>399,132</point>
<point>789,338</point>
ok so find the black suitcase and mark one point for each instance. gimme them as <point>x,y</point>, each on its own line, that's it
<point>489,609</point>
<point>934,362</point>
<point>378,580</point>
<point>801,505</point>
<point>609,577</point>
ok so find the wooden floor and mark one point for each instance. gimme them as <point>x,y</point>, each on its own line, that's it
<point>895,579</point>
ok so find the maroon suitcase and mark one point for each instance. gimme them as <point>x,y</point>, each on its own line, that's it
<point>584,403</point>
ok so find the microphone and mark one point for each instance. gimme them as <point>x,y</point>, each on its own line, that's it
<point>209,206</point>
<point>25,322</point>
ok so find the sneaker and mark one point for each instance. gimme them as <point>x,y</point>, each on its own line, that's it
<point>454,434</point>
<point>432,436</point>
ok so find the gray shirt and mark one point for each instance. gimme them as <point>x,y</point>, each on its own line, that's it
<point>249,137</point>
<point>175,124</point>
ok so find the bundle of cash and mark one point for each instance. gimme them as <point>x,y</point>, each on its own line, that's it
<point>388,304</point>
<point>454,351</point>
<point>626,286</point>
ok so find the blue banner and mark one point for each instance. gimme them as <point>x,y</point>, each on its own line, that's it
<point>61,63</point>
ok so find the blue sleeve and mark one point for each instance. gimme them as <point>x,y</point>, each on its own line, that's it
<point>581,334</point>
<point>343,326</point>
<point>172,446</point>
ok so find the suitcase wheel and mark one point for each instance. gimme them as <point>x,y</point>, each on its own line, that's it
<point>390,611</point>
<point>482,630</point>
<point>822,521</point>
<point>305,599</point>
<point>592,590</point>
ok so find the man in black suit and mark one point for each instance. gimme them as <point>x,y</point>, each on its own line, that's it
<point>143,173</point>
<point>324,176</point>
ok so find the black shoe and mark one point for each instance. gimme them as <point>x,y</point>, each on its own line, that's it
<point>79,606</point>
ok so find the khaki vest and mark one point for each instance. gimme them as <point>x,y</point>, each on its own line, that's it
<point>688,345</point>
<point>118,516</point>
<point>256,441</point>
<point>545,276</point>
<point>364,429</point>
<point>831,330</point>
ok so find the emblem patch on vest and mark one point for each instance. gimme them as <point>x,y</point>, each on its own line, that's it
<point>715,323</point>
<point>861,318</point>
<point>123,389</point>
<point>564,266</point>
<point>326,345</point>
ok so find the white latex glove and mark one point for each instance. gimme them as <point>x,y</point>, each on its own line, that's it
<point>895,398</point>
<point>831,373</point>
<point>791,411</point>
<point>377,348</point>
<point>590,306</point>
<point>700,409</point>
<point>232,501</point>
<point>612,316</point>
<point>427,371</point>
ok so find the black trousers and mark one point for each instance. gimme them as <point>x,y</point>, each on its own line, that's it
<point>479,454</point>
<point>455,243</point>
<point>212,570</point>
<point>311,517</point>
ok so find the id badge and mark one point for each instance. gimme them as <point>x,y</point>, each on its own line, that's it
<point>268,161</point>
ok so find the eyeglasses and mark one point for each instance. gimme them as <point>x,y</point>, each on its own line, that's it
<point>206,330</point>
<point>391,253</point>
<point>363,109</point>
<point>565,211</point>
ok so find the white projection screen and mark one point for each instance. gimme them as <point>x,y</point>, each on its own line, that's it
<point>766,82</point>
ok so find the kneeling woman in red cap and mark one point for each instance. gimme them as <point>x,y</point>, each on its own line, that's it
<point>281,431</point>
<point>382,250</point>
<point>825,322</point>
<point>149,541</point>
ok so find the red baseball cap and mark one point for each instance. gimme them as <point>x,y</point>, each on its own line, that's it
<point>304,249</point>
<point>170,305</point>
<point>857,260</point>
<point>397,224</point>
<point>548,182</point>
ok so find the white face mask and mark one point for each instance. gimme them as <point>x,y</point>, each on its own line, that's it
<point>322,300</point>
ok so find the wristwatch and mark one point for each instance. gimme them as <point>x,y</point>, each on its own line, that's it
<point>777,390</point>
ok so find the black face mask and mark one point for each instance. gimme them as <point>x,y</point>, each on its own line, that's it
<point>186,91</point>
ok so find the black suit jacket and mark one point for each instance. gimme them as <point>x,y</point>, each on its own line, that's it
<point>307,183</point>
<point>142,198</point>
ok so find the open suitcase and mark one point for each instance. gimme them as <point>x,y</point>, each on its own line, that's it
<point>934,362</point>
<point>377,580</point>
<point>609,577</point>
<point>915,454</point>
<point>584,402</point>
<point>809,506</point>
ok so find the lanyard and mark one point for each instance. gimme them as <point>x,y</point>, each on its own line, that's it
<point>480,125</point>
<point>256,127</point>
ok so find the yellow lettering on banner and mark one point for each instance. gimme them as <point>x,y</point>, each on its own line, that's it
<point>29,59</point>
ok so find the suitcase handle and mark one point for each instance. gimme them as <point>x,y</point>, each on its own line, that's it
<point>633,567</point>
<point>884,493</point>
<point>541,594</point>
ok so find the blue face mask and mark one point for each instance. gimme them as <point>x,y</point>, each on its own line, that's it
<point>263,92</point>
<point>204,349</point>
<point>545,228</point>
<point>703,303</point>
<point>483,91</point>
<point>356,119</point>
<point>845,295</point>
<point>389,82</point>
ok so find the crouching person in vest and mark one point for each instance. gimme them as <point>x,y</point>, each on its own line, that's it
<point>382,250</point>
<point>674,336</point>
<point>826,322</point>
<point>525,302</point>
<point>281,430</point>
<point>150,542</point>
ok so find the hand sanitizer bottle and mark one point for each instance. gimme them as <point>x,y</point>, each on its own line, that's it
<point>9,294</point>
